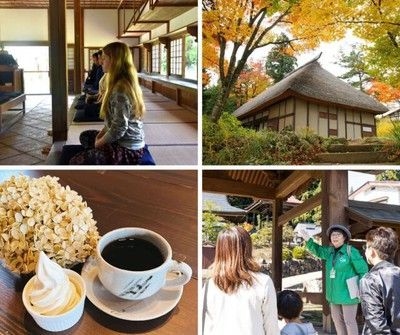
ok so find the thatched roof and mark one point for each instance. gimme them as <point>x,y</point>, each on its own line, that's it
<point>312,82</point>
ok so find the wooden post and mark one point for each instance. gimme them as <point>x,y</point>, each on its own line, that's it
<point>58,69</point>
<point>334,190</point>
<point>78,47</point>
<point>277,209</point>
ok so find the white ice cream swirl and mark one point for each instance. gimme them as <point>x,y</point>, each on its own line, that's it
<point>52,292</point>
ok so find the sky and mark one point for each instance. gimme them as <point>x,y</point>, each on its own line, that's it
<point>330,53</point>
<point>357,179</point>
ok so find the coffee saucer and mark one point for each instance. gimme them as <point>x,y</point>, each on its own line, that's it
<point>150,308</point>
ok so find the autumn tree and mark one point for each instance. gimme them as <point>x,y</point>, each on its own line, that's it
<point>384,92</point>
<point>280,60</point>
<point>378,23</point>
<point>356,74</point>
<point>233,30</point>
<point>251,82</point>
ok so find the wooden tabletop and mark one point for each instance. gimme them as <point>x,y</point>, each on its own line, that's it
<point>163,201</point>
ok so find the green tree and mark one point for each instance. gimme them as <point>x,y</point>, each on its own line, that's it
<point>279,61</point>
<point>239,202</point>
<point>389,175</point>
<point>210,96</point>
<point>313,215</point>
<point>191,51</point>
<point>212,223</point>
<point>356,74</point>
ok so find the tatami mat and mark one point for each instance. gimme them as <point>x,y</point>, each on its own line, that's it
<point>170,116</point>
<point>170,130</point>
<point>174,155</point>
<point>171,134</point>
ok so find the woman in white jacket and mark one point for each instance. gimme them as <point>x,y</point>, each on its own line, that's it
<point>238,299</point>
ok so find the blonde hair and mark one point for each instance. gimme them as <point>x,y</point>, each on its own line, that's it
<point>233,260</point>
<point>122,77</point>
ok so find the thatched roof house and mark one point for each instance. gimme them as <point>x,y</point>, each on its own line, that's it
<point>311,97</point>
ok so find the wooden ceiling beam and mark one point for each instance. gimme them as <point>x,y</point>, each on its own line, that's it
<point>295,180</point>
<point>238,188</point>
<point>300,209</point>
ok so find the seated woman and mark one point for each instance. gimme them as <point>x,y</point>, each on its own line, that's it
<point>90,109</point>
<point>121,141</point>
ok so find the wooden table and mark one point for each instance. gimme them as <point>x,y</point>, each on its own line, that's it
<point>163,201</point>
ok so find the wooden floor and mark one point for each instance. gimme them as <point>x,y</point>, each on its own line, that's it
<point>170,131</point>
<point>163,201</point>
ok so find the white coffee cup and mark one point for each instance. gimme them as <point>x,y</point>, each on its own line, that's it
<point>136,285</point>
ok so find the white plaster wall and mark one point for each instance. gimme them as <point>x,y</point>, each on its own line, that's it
<point>183,20</point>
<point>100,26</point>
<point>23,25</point>
<point>177,23</point>
<point>393,194</point>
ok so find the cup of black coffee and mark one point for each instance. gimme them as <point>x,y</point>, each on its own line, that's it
<point>133,263</point>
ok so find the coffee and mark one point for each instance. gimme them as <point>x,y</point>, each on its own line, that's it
<point>133,254</point>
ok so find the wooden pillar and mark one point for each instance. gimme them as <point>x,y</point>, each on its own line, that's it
<point>277,209</point>
<point>335,197</point>
<point>78,47</point>
<point>58,69</point>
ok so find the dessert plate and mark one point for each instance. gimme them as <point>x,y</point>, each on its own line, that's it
<point>150,308</point>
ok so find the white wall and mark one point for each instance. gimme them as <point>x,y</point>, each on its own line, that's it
<point>390,191</point>
<point>100,26</point>
<point>23,25</point>
<point>177,23</point>
<point>184,20</point>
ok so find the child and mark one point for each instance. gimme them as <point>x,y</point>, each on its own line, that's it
<point>290,307</point>
<point>121,141</point>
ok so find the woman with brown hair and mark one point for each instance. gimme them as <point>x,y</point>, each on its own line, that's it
<point>238,298</point>
<point>121,141</point>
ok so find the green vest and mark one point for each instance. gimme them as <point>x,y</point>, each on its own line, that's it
<point>345,266</point>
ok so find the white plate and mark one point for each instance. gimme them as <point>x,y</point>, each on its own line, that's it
<point>153,307</point>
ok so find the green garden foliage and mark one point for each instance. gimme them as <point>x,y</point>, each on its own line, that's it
<point>299,252</point>
<point>209,99</point>
<point>228,143</point>
<point>287,254</point>
<point>263,237</point>
<point>212,224</point>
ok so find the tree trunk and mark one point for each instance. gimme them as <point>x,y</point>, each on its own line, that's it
<point>220,103</point>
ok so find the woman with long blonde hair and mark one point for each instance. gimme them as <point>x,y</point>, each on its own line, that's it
<point>121,141</point>
<point>238,298</point>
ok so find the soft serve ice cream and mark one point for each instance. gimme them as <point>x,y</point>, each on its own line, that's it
<point>51,292</point>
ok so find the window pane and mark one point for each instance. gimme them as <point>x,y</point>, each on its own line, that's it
<point>155,58</point>
<point>176,56</point>
<point>163,69</point>
<point>190,58</point>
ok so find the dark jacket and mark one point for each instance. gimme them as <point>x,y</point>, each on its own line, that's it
<point>380,299</point>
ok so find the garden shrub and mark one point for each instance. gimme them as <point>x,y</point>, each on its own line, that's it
<point>384,127</point>
<point>286,254</point>
<point>228,143</point>
<point>262,238</point>
<point>299,252</point>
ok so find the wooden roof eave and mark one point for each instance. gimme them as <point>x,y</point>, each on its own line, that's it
<point>238,188</point>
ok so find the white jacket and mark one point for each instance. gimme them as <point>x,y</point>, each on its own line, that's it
<point>248,311</point>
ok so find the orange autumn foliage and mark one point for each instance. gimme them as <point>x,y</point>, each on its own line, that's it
<point>384,92</point>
